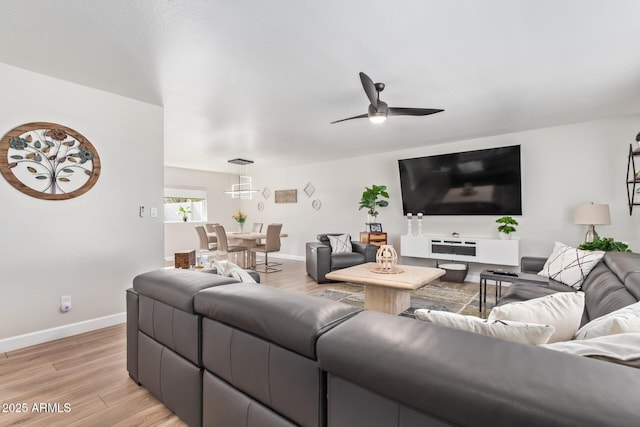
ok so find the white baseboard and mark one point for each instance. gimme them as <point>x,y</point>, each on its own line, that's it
<point>286,256</point>
<point>46,335</point>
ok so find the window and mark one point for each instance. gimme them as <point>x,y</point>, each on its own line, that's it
<point>179,203</point>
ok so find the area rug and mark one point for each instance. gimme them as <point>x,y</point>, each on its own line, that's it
<point>437,295</point>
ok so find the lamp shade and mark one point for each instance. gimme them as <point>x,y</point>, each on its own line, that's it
<point>592,214</point>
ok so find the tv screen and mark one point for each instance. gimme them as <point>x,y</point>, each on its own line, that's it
<point>481,182</point>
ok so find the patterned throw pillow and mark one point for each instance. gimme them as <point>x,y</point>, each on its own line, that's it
<point>527,333</point>
<point>340,244</point>
<point>570,265</point>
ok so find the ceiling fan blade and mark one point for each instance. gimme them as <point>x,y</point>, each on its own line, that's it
<point>370,89</point>
<point>361,116</point>
<point>400,111</point>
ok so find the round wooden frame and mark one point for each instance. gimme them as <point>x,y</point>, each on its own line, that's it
<point>6,166</point>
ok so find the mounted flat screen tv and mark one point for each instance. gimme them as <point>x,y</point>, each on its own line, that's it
<point>481,182</point>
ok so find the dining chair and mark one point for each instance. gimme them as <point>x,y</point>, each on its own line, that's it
<point>257,227</point>
<point>211,227</point>
<point>207,242</point>
<point>223,245</point>
<point>272,244</point>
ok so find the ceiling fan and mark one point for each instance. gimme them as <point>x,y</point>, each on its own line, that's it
<point>379,110</point>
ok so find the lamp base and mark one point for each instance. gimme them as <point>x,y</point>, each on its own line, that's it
<point>591,233</point>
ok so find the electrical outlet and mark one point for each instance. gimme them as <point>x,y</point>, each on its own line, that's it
<point>141,211</point>
<point>65,303</point>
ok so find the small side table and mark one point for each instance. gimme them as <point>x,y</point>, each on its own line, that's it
<point>485,275</point>
<point>373,238</point>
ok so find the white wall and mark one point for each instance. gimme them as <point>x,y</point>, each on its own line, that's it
<point>220,206</point>
<point>561,167</point>
<point>89,247</point>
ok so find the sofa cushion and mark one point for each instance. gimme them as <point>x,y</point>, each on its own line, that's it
<point>624,320</point>
<point>570,265</point>
<point>176,287</point>
<point>604,291</point>
<point>562,310</point>
<point>293,321</point>
<point>527,333</point>
<point>626,267</point>
<point>340,244</point>
<point>345,260</point>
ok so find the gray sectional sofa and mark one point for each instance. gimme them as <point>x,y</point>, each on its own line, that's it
<point>221,353</point>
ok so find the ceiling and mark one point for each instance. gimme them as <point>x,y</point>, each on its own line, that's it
<point>263,79</point>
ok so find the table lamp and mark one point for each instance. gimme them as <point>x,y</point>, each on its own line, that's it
<point>591,215</point>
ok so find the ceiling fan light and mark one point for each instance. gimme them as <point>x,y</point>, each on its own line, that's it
<point>377,118</point>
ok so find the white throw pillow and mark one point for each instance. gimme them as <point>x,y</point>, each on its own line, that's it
<point>527,333</point>
<point>626,319</point>
<point>570,265</point>
<point>340,244</point>
<point>620,348</point>
<point>562,310</point>
<point>229,269</point>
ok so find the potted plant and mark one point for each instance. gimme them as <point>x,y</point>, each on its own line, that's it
<point>506,226</point>
<point>370,200</point>
<point>240,218</point>
<point>606,244</point>
<point>185,211</point>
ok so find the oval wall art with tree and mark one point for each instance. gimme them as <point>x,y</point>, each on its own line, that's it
<point>49,161</point>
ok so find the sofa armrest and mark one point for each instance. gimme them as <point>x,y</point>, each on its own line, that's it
<point>532,264</point>
<point>366,249</point>
<point>318,260</point>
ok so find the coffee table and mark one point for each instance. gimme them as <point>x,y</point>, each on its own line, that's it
<point>387,292</point>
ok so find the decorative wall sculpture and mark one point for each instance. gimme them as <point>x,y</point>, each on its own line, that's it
<point>49,161</point>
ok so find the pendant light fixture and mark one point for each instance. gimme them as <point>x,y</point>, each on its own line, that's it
<point>241,190</point>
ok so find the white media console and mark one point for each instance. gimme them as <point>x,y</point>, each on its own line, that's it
<point>469,249</point>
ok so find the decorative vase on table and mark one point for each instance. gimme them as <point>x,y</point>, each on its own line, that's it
<point>386,258</point>
<point>241,226</point>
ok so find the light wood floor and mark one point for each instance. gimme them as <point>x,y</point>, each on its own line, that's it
<point>88,373</point>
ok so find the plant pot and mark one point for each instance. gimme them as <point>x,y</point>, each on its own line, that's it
<point>184,219</point>
<point>504,236</point>
<point>241,227</point>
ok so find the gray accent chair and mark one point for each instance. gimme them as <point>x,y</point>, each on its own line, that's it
<point>321,260</point>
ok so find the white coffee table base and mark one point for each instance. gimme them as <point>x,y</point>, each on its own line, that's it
<point>386,300</point>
